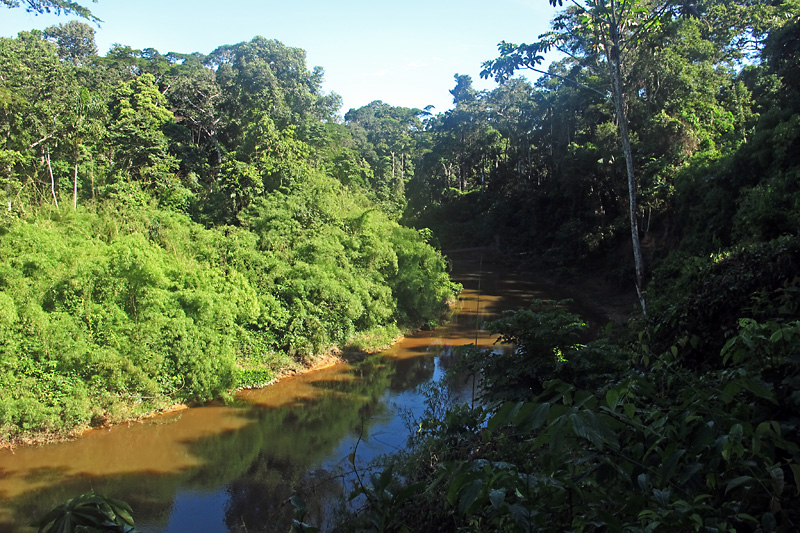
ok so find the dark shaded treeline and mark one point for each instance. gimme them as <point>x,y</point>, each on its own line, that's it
<point>712,105</point>
<point>689,422</point>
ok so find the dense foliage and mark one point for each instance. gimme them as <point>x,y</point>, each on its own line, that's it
<point>178,226</point>
<point>711,100</point>
<point>609,436</point>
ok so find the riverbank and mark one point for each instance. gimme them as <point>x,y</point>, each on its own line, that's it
<point>135,412</point>
<point>592,294</point>
<point>235,463</point>
<point>274,441</point>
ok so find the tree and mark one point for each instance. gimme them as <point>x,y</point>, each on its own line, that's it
<point>57,7</point>
<point>84,124</point>
<point>264,75</point>
<point>39,91</point>
<point>617,40</point>
<point>600,34</point>
<point>193,94</point>
<point>385,136</point>
<point>75,41</point>
<point>141,148</point>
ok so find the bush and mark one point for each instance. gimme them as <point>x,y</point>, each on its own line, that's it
<point>645,447</point>
<point>135,305</point>
<point>699,306</point>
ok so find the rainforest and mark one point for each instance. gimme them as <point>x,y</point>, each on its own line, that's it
<point>176,228</point>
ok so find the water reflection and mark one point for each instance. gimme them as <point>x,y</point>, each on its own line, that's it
<point>233,468</point>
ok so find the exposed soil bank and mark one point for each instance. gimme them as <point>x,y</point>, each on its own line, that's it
<point>332,357</point>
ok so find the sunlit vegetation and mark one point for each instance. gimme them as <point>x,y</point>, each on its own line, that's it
<point>175,227</point>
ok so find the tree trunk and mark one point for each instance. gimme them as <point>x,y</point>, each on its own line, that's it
<point>75,182</point>
<point>622,124</point>
<point>52,179</point>
<point>447,173</point>
<point>75,188</point>
<point>91,172</point>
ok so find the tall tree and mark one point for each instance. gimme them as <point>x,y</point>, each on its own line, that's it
<point>84,125</point>
<point>39,89</point>
<point>600,34</point>
<point>141,148</point>
<point>265,76</point>
<point>193,94</point>
<point>385,136</point>
<point>75,41</point>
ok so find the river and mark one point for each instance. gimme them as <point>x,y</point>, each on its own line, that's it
<point>233,467</point>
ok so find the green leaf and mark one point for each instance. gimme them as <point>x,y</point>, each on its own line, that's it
<point>503,416</point>
<point>470,496</point>
<point>630,410</point>
<point>585,430</point>
<point>759,389</point>
<point>736,433</point>
<point>497,497</point>
<point>796,475</point>
<point>776,473</point>
<point>521,516</point>
<point>730,390</point>
<point>408,492</point>
<point>727,352</point>
<point>533,420</point>
<point>737,482</point>
<point>612,398</point>
<point>671,463</point>
<point>457,483</point>
<point>385,478</point>
<point>661,497</point>
<point>733,444</point>
<point>688,472</point>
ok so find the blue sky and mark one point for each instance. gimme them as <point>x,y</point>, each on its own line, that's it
<point>404,53</point>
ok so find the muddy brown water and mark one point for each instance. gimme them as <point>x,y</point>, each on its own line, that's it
<point>233,467</point>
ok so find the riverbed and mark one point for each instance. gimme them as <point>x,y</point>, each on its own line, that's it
<point>234,467</point>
